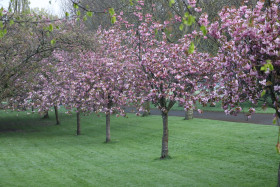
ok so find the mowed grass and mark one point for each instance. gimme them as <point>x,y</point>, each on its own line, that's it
<point>36,152</point>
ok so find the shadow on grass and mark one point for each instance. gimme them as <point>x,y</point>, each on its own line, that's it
<point>20,124</point>
<point>163,159</point>
<point>111,142</point>
<point>23,122</point>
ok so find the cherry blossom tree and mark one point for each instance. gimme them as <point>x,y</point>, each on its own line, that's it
<point>27,64</point>
<point>66,84</point>
<point>88,81</point>
<point>114,74</point>
<point>168,72</point>
<point>249,56</point>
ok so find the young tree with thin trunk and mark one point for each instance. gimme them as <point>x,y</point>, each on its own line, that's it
<point>56,115</point>
<point>78,123</point>
<point>168,72</point>
<point>112,70</point>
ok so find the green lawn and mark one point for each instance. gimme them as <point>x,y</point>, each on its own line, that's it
<point>35,152</point>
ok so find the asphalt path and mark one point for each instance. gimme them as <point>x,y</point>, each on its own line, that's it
<point>263,119</point>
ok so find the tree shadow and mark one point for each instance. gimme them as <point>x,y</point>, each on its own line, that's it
<point>19,122</point>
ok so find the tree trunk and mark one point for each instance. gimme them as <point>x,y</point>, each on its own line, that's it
<point>164,149</point>
<point>108,134</point>
<point>78,124</point>
<point>146,106</point>
<point>276,103</point>
<point>189,114</point>
<point>278,115</point>
<point>212,104</point>
<point>278,184</point>
<point>46,115</point>
<point>56,115</point>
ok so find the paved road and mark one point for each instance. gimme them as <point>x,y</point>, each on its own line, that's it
<point>264,119</point>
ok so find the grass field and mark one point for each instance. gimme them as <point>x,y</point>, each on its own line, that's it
<point>35,152</point>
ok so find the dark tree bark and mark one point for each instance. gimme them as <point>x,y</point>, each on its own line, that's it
<point>275,103</point>
<point>46,115</point>
<point>108,133</point>
<point>189,114</point>
<point>164,149</point>
<point>278,184</point>
<point>56,115</point>
<point>78,124</point>
<point>146,106</point>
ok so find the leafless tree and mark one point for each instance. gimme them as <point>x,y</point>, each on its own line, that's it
<point>19,6</point>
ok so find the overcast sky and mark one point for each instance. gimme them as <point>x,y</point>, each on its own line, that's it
<point>53,8</point>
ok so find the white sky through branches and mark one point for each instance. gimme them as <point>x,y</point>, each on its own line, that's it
<point>52,8</point>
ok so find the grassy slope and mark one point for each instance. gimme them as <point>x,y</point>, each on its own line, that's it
<point>204,152</point>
